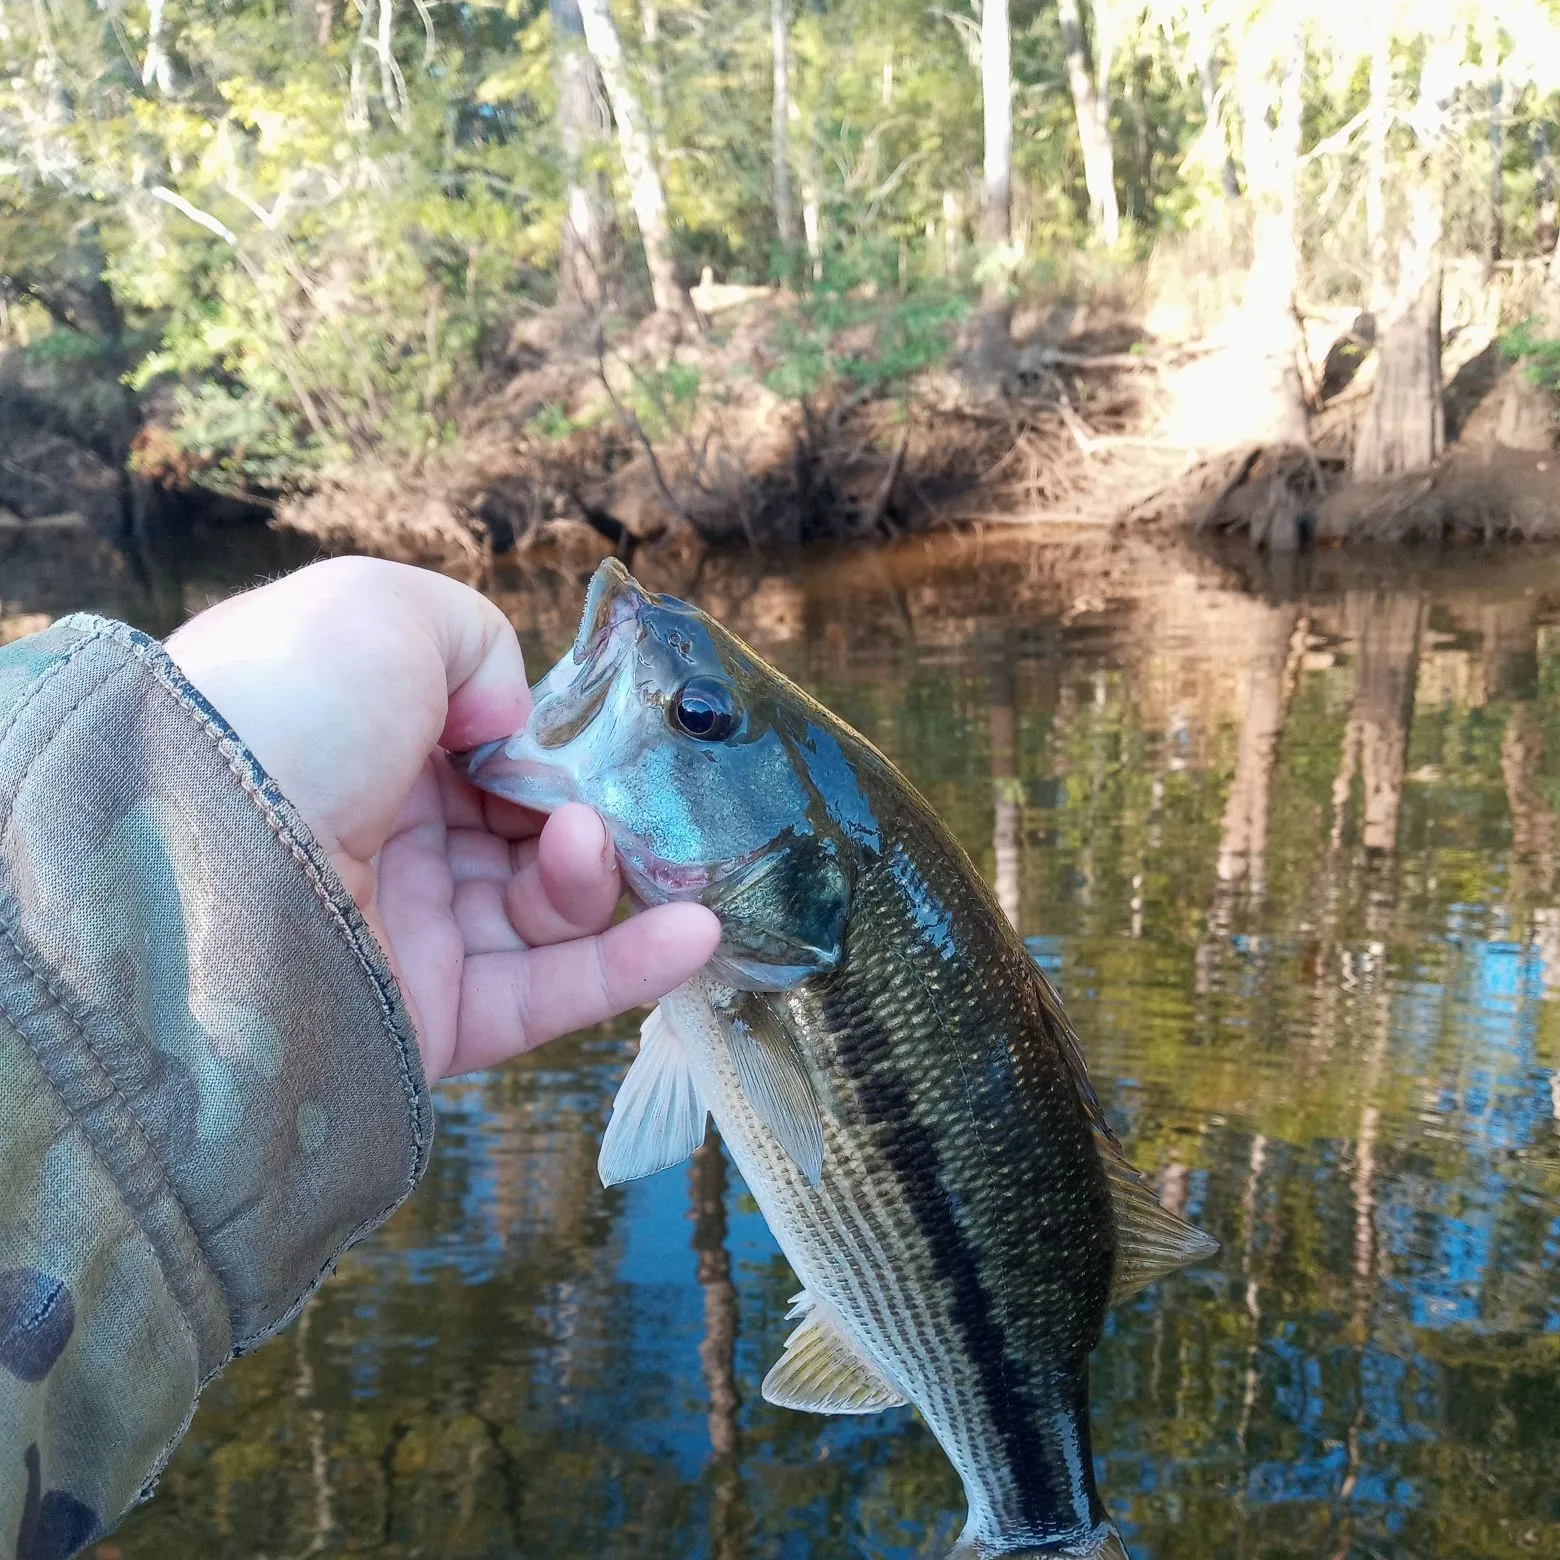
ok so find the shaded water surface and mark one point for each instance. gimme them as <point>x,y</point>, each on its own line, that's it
<point>1289,852</point>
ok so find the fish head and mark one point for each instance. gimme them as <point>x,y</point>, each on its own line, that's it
<point>719,780</point>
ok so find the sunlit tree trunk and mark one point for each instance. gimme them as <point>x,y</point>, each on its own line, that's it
<point>645,190</point>
<point>1202,57</point>
<point>582,263</point>
<point>1270,102</point>
<point>1378,125</point>
<point>780,123</point>
<point>655,80</point>
<point>1497,134</point>
<point>314,20</point>
<point>996,76</point>
<point>1091,107</point>
<point>1404,427</point>
<point>812,218</point>
<point>157,71</point>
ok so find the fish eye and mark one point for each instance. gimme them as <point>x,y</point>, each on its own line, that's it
<point>704,709</point>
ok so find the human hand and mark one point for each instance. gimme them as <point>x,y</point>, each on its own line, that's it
<point>345,680</point>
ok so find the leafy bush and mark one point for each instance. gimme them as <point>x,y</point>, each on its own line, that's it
<point>833,341</point>
<point>1539,355</point>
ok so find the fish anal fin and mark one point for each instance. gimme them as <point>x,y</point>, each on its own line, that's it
<point>776,1084</point>
<point>1150,1240</point>
<point>821,1372</point>
<point>658,1118</point>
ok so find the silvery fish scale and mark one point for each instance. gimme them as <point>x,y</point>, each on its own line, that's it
<point>891,1073</point>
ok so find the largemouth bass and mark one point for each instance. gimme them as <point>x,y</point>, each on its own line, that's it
<point>893,1075</point>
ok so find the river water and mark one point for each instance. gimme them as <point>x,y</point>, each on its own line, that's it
<point>1288,846</point>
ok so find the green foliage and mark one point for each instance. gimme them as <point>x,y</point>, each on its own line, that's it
<point>327,248</point>
<point>1539,355</point>
<point>66,349</point>
<point>836,340</point>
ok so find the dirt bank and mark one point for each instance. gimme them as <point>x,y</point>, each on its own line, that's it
<point>781,423</point>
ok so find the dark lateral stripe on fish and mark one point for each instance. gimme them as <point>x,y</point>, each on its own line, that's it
<point>910,1147</point>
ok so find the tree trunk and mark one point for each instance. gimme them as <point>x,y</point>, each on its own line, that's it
<point>812,220</point>
<point>780,127</point>
<point>1377,125</point>
<point>996,76</point>
<point>1202,51</point>
<point>157,71</point>
<point>655,80</point>
<point>582,261</point>
<point>1272,154</point>
<point>1527,409</point>
<point>1497,172</point>
<point>1092,109</point>
<point>645,191</point>
<point>1404,427</point>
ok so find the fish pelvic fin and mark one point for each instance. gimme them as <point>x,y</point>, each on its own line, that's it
<point>658,1118</point>
<point>1104,1543</point>
<point>821,1371</point>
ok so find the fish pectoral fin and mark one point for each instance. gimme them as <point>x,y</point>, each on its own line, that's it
<point>657,1118</point>
<point>820,1372</point>
<point>776,1085</point>
<point>1150,1240</point>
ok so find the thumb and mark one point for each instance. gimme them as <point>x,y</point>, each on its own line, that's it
<point>343,677</point>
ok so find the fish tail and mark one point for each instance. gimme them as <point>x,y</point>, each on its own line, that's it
<point>1104,1543</point>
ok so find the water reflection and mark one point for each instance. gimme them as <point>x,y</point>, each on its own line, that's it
<point>1288,846</point>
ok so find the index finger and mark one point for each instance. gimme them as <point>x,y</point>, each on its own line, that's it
<point>509,820</point>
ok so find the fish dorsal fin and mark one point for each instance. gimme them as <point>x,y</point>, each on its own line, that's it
<point>1150,1240</point>
<point>776,1085</point>
<point>657,1117</point>
<point>820,1371</point>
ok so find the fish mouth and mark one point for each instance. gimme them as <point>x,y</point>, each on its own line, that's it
<point>564,703</point>
<point>529,768</point>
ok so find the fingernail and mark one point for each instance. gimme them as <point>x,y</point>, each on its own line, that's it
<point>608,849</point>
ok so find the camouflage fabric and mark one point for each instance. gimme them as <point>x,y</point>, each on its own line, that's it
<point>209,1086</point>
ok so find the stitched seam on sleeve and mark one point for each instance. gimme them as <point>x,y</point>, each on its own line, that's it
<point>283,832</point>
<point>79,1031</point>
<point>234,754</point>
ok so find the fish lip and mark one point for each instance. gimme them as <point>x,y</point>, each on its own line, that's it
<point>613,597</point>
<point>657,881</point>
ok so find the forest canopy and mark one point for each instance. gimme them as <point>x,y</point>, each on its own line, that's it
<point>310,231</point>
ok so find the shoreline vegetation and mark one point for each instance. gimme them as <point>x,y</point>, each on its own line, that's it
<point>415,279</point>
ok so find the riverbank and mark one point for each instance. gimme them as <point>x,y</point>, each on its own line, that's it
<point>781,421</point>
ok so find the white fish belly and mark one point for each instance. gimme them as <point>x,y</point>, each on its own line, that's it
<point>858,1252</point>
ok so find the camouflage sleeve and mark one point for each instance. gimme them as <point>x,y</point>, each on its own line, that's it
<point>209,1086</point>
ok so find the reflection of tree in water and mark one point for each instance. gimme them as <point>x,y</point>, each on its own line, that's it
<point>718,1348</point>
<point>1385,629</point>
<point>1357,1103</point>
<point>1004,793</point>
